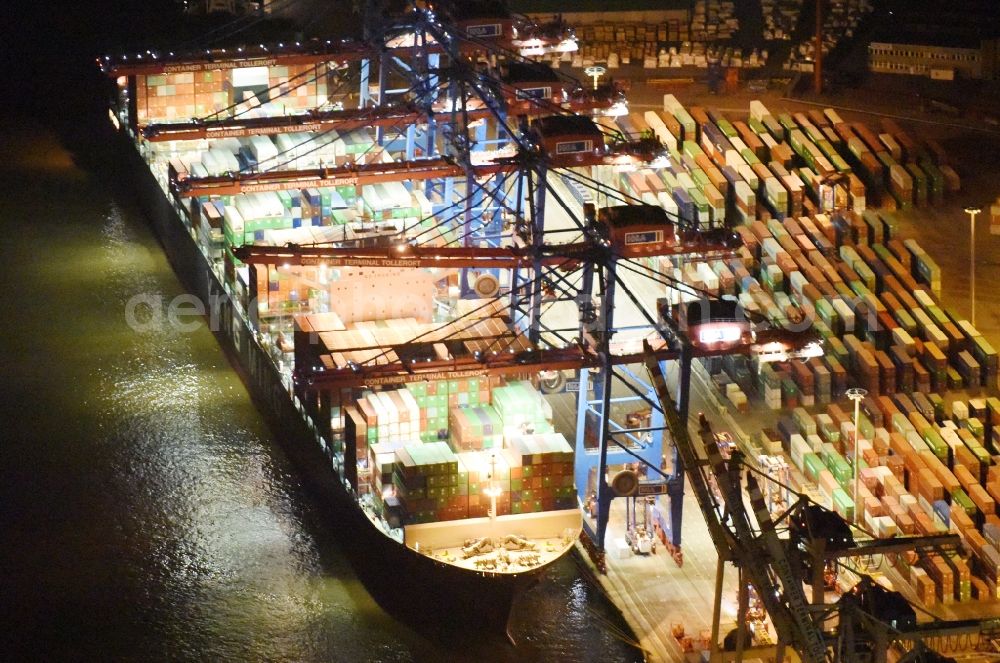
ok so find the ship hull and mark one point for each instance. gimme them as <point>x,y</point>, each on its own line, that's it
<point>407,584</point>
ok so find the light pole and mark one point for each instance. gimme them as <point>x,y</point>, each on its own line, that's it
<point>856,394</point>
<point>595,72</point>
<point>972,212</point>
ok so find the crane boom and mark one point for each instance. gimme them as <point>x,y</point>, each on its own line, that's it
<point>758,556</point>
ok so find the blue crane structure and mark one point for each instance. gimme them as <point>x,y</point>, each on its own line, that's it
<point>493,140</point>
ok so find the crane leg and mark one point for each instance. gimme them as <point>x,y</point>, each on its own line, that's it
<point>720,574</point>
<point>741,616</point>
<point>676,485</point>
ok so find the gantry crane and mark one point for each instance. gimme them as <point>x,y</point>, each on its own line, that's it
<point>445,91</point>
<point>775,568</point>
<point>449,90</point>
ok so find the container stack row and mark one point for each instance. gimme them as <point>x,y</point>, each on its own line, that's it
<point>900,171</point>
<point>429,482</point>
<point>874,303</point>
<point>287,151</point>
<point>694,38</point>
<point>737,171</point>
<point>925,467</point>
<point>781,17</point>
<point>280,217</point>
<point>437,450</point>
<point>840,20</point>
<point>182,96</point>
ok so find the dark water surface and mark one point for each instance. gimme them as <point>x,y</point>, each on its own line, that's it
<point>148,512</point>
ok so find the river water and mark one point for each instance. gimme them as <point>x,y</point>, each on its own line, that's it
<point>148,512</point>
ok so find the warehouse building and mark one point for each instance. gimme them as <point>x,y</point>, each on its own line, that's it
<point>924,60</point>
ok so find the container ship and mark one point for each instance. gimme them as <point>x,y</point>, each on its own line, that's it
<point>409,245</point>
<point>352,257</point>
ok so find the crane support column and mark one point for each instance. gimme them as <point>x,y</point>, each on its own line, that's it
<point>743,606</point>
<point>720,575</point>
<point>604,494</point>
<point>675,487</point>
<point>537,239</point>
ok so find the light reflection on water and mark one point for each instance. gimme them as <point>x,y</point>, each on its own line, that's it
<point>150,514</point>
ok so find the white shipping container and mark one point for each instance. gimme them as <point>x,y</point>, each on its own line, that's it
<point>938,337</point>
<point>891,145</point>
<point>847,433</point>
<point>667,202</point>
<point>966,327</point>
<point>262,148</point>
<point>844,312</point>
<point>924,299</point>
<point>671,104</point>
<point>389,406</point>
<point>734,159</point>
<point>212,164</point>
<point>749,176</point>
<point>797,280</point>
<point>738,144</point>
<point>707,276</point>
<point>234,219</point>
<point>745,197</point>
<point>771,247</point>
<point>902,337</point>
<point>798,448</point>
<point>758,110</point>
<point>655,123</point>
<point>776,193</point>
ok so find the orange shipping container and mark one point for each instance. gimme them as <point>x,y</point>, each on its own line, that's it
<point>923,523</point>
<point>964,476</point>
<point>983,501</point>
<point>929,486</point>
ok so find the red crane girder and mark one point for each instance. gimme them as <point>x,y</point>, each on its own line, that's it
<point>556,359</point>
<point>354,175</point>
<point>347,119</point>
<point>406,256</point>
<point>219,60</point>
<point>346,175</point>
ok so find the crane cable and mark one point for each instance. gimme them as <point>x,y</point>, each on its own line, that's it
<point>489,302</point>
<point>203,38</point>
<point>314,138</point>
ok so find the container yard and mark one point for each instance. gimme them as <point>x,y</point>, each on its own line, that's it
<point>874,296</point>
<point>492,339</point>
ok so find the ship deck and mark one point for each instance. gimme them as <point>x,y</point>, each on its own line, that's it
<point>505,544</point>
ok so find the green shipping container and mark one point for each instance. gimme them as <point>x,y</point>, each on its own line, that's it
<point>867,429</point>
<point>936,444</point>
<point>842,471</point>
<point>843,504</point>
<point>813,465</point>
<point>938,403</point>
<point>961,498</point>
